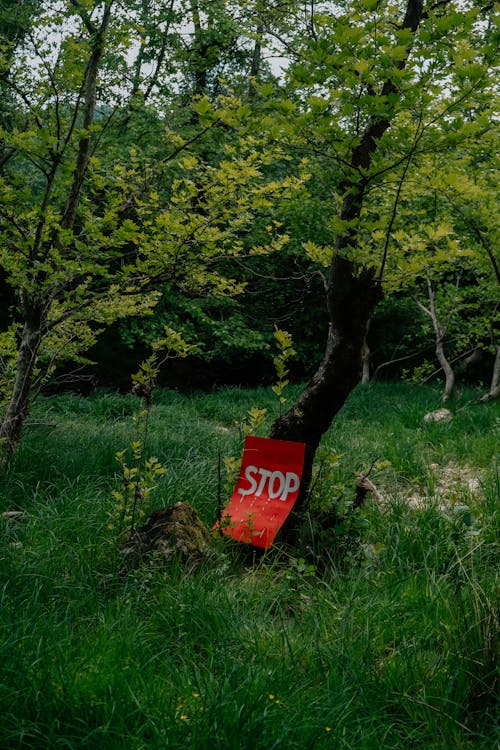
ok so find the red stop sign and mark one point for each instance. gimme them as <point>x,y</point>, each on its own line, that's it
<point>267,488</point>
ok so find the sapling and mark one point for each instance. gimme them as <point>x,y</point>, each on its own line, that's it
<point>285,352</point>
<point>255,417</point>
<point>139,475</point>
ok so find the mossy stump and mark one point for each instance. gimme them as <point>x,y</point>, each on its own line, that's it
<point>172,533</point>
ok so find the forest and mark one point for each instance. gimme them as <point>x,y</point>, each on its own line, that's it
<point>269,220</point>
<point>222,169</point>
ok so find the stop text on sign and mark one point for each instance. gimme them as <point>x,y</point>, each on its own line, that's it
<point>266,490</point>
<point>275,484</point>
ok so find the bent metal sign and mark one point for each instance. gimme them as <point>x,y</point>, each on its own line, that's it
<point>265,492</point>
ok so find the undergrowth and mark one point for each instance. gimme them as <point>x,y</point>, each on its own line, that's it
<point>393,643</point>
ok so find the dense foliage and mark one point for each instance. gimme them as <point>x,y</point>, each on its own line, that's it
<point>157,158</point>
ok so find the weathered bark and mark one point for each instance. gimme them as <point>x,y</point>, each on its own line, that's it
<point>352,301</point>
<point>174,533</point>
<point>18,404</point>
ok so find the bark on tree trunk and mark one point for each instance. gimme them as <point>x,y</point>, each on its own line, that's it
<point>365,377</point>
<point>18,405</point>
<point>495,380</point>
<point>447,369</point>
<point>494,391</point>
<point>440,333</point>
<point>35,301</point>
<point>352,300</point>
<point>256,61</point>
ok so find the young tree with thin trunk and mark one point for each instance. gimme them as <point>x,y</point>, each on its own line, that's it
<point>440,332</point>
<point>88,232</point>
<point>470,189</point>
<point>444,249</point>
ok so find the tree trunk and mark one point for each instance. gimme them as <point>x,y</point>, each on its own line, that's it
<point>90,100</point>
<point>200,66</point>
<point>36,302</point>
<point>18,405</point>
<point>447,369</point>
<point>365,377</point>
<point>495,379</point>
<point>494,392</point>
<point>440,333</point>
<point>353,299</point>
<point>256,61</point>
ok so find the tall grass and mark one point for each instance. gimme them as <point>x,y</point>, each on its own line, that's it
<point>396,646</point>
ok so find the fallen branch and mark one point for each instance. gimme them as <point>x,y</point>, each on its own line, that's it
<point>365,486</point>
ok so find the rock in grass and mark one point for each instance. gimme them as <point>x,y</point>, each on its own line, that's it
<point>172,533</point>
<point>14,515</point>
<point>440,415</point>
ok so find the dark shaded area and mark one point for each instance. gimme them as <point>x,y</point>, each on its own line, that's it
<point>235,337</point>
<point>398,341</point>
<point>7,303</point>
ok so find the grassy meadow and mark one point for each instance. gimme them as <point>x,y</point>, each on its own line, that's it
<point>381,634</point>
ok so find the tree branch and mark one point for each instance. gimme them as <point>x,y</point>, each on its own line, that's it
<point>418,135</point>
<point>88,117</point>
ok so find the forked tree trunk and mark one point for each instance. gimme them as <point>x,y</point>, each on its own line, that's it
<point>440,333</point>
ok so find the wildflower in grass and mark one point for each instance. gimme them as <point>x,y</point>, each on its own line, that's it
<point>189,707</point>
<point>328,729</point>
<point>275,700</point>
<point>180,712</point>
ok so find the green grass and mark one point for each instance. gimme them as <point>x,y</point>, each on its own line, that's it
<point>395,644</point>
